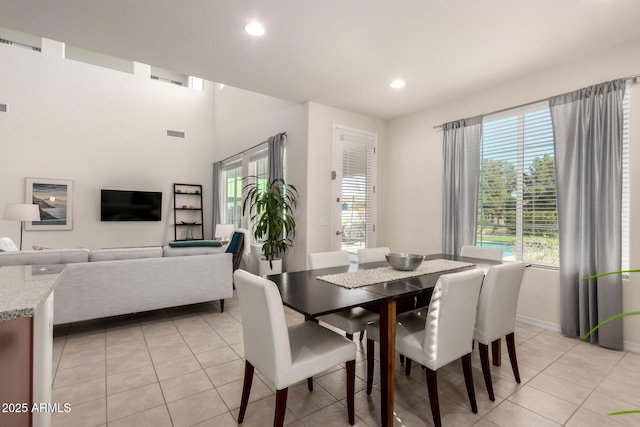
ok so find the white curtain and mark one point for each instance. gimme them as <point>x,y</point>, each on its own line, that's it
<point>461,152</point>
<point>587,127</point>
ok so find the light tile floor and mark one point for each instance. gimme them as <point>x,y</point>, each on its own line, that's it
<point>184,367</point>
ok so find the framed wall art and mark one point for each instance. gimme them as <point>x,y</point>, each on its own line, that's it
<point>54,197</point>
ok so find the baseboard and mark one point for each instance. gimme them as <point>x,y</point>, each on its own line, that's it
<point>630,346</point>
<point>627,346</point>
<point>538,323</point>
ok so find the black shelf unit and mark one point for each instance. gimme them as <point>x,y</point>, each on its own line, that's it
<point>188,215</point>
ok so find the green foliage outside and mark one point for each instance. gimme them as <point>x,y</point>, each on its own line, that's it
<point>498,219</point>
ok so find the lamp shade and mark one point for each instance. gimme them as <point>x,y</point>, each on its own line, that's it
<point>21,212</point>
<point>223,231</point>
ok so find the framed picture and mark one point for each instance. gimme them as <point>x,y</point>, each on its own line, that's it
<point>55,200</point>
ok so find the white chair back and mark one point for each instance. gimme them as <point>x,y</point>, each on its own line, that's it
<point>266,337</point>
<point>494,254</point>
<point>328,259</point>
<point>448,333</point>
<point>498,302</point>
<point>372,254</point>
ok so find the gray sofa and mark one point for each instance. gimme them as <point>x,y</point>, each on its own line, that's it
<point>110,282</point>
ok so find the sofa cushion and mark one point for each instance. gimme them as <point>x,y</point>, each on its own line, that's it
<point>196,243</point>
<point>6,245</point>
<point>115,254</point>
<point>52,256</point>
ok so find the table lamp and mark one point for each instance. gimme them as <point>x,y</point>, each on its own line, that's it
<point>223,231</point>
<point>21,212</point>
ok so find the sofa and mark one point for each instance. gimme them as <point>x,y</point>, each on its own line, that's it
<point>109,282</point>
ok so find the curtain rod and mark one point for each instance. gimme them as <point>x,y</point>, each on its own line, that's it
<point>251,148</point>
<point>633,79</point>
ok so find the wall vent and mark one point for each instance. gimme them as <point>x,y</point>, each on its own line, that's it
<point>3,108</point>
<point>175,133</point>
<point>22,45</point>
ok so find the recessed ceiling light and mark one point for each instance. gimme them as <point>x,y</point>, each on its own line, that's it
<point>397,84</point>
<point>254,29</point>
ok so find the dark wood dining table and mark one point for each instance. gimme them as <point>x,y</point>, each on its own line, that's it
<point>303,292</point>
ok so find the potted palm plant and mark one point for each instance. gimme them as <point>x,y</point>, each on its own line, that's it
<point>271,204</point>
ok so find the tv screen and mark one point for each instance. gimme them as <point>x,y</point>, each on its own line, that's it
<point>125,205</point>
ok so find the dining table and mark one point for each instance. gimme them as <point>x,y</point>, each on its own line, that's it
<point>307,292</point>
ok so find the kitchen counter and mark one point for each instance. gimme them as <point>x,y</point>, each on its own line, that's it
<point>24,288</point>
<point>26,343</point>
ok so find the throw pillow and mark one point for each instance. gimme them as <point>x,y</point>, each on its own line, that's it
<point>196,243</point>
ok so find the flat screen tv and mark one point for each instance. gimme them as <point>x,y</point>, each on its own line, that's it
<point>125,205</point>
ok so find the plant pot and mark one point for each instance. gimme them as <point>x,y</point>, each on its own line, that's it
<point>265,270</point>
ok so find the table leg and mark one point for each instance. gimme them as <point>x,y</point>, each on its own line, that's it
<point>387,360</point>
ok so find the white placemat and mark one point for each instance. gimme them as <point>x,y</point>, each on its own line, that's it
<point>372,276</point>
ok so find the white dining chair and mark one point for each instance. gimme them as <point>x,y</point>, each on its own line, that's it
<point>482,252</point>
<point>444,335</point>
<point>328,259</point>
<point>354,319</point>
<point>285,355</point>
<point>497,317</point>
<point>372,254</point>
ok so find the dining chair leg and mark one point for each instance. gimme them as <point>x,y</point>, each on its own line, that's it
<point>407,367</point>
<point>468,379</point>
<point>511,347</point>
<point>349,336</point>
<point>370,363</point>
<point>496,352</point>
<point>401,358</point>
<point>483,349</point>
<point>310,383</point>
<point>351,389</point>
<point>281,407</point>
<point>432,386</point>
<point>221,306</point>
<point>246,389</point>
<point>361,335</point>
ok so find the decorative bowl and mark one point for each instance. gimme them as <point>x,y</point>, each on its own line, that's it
<point>404,261</point>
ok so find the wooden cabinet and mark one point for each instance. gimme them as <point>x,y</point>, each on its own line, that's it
<point>188,214</point>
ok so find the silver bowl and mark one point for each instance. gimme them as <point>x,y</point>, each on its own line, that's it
<point>404,261</point>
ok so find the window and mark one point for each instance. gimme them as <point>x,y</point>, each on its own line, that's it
<point>233,170</point>
<point>517,209</point>
<point>517,198</point>
<point>231,193</point>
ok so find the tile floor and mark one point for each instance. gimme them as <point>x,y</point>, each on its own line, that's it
<point>184,367</point>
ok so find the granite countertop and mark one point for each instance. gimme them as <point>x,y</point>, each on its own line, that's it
<point>24,288</point>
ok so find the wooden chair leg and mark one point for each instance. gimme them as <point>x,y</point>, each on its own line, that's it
<point>351,388</point>
<point>511,347</point>
<point>407,367</point>
<point>496,352</point>
<point>370,350</point>
<point>486,369</point>
<point>361,335</point>
<point>221,306</point>
<point>468,379</point>
<point>432,386</point>
<point>349,336</point>
<point>401,358</point>
<point>310,383</point>
<point>281,407</point>
<point>246,389</point>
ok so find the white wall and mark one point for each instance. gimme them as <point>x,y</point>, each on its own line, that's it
<point>321,121</point>
<point>413,200</point>
<point>102,129</point>
<point>244,119</point>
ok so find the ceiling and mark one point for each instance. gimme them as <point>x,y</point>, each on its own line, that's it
<point>341,53</point>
